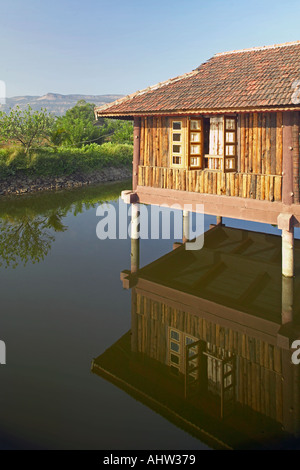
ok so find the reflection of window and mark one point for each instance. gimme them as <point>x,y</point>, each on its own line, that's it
<point>193,351</point>
<point>175,351</point>
<point>175,335</point>
<point>177,341</point>
<point>175,347</point>
<point>219,364</point>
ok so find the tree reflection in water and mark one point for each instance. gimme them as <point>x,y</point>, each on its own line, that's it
<point>28,223</point>
<point>27,238</point>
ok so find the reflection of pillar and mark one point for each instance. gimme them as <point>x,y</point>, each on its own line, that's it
<point>219,220</point>
<point>287,299</point>
<point>135,264</point>
<point>185,226</point>
<point>135,238</point>
<point>288,252</point>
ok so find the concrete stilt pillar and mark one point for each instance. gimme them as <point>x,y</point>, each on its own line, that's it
<point>288,252</point>
<point>185,226</point>
<point>287,299</point>
<point>135,239</point>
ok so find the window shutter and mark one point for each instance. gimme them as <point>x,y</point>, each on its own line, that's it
<point>230,144</point>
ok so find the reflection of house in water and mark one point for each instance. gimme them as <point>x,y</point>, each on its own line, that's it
<point>210,340</point>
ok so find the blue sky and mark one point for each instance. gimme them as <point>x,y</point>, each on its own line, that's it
<point>115,46</point>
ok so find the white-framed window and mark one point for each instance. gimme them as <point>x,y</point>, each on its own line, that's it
<point>177,143</point>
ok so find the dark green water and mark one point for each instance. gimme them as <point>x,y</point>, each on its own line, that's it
<point>63,304</point>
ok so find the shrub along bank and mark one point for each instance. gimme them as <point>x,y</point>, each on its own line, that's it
<point>63,161</point>
<point>48,168</point>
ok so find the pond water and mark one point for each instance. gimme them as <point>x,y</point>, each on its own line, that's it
<point>63,305</point>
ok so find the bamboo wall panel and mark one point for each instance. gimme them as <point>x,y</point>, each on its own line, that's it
<point>261,143</point>
<point>258,364</point>
<point>261,187</point>
<point>154,141</point>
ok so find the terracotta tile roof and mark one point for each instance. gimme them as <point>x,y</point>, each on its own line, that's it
<point>262,77</point>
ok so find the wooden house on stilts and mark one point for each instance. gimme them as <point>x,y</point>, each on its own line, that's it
<point>225,135</point>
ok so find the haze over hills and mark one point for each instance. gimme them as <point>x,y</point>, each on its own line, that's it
<point>55,103</point>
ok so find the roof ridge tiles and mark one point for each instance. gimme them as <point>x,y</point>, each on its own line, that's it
<point>259,48</point>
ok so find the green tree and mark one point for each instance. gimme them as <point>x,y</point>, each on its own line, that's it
<point>123,133</point>
<point>26,127</point>
<point>78,126</point>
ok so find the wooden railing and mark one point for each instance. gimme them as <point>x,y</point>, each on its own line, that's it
<point>254,186</point>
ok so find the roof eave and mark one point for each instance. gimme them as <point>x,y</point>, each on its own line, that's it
<point>188,112</point>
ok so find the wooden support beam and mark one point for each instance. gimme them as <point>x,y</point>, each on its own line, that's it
<point>296,155</point>
<point>287,157</point>
<point>234,207</point>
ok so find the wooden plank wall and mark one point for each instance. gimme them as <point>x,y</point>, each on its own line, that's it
<point>261,143</point>
<point>154,142</point>
<point>260,149</point>
<point>259,367</point>
<point>262,187</point>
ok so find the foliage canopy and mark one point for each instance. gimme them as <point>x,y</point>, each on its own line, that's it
<point>27,127</point>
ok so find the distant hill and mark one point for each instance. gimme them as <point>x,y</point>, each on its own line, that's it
<point>54,102</point>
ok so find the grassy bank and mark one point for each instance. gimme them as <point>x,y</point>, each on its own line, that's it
<point>63,161</point>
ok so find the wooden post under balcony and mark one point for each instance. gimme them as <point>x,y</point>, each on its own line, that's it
<point>287,158</point>
<point>295,145</point>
